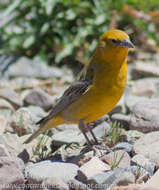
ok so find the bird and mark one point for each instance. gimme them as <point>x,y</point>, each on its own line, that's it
<point>97,91</point>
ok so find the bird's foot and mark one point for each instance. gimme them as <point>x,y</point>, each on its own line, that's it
<point>85,128</point>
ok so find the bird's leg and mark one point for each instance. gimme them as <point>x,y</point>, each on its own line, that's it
<point>93,135</point>
<point>83,128</point>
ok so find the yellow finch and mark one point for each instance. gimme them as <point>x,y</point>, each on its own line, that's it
<point>98,91</point>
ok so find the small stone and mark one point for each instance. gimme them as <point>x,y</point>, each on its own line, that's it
<point>131,101</point>
<point>146,87</point>
<point>39,98</point>
<point>123,146</point>
<point>145,69</point>
<point>153,182</point>
<point>67,137</point>
<point>11,172</point>
<point>118,158</point>
<point>36,173</point>
<point>145,116</point>
<point>36,113</point>
<point>12,143</point>
<point>141,174</point>
<point>101,130</point>
<point>31,68</point>
<point>105,180</point>
<point>148,146</point>
<point>140,160</point>
<point>125,179</point>
<point>12,97</point>
<point>133,135</point>
<point>121,118</point>
<point>91,168</point>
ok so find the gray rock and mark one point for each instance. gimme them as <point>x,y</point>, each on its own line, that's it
<point>145,69</point>
<point>67,137</point>
<point>123,146</point>
<point>148,146</point>
<point>133,135</point>
<point>11,172</point>
<point>91,168</point>
<point>118,158</point>
<point>105,180</point>
<point>75,136</point>
<point>36,112</point>
<point>36,173</point>
<point>140,160</point>
<point>123,119</point>
<point>125,178</point>
<point>147,87</point>
<point>145,116</point>
<point>39,98</point>
<point>131,101</point>
<point>12,143</point>
<point>153,182</point>
<point>27,67</point>
<point>11,96</point>
<point>140,173</point>
<point>101,130</point>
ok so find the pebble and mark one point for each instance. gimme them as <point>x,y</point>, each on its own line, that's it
<point>144,116</point>
<point>11,172</point>
<point>133,135</point>
<point>140,160</point>
<point>153,182</point>
<point>36,173</point>
<point>148,146</point>
<point>91,168</point>
<point>123,146</point>
<point>124,120</point>
<point>39,98</point>
<point>68,136</point>
<point>118,158</point>
<point>11,96</point>
<point>30,68</point>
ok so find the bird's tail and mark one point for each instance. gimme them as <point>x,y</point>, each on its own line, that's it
<point>45,124</point>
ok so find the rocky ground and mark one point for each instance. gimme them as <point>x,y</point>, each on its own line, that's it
<point>60,158</point>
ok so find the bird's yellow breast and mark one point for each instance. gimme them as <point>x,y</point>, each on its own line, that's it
<point>102,96</point>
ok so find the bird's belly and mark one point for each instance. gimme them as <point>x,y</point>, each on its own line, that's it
<point>92,105</point>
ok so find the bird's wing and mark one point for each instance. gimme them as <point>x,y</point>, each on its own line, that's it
<point>69,96</point>
<point>72,94</point>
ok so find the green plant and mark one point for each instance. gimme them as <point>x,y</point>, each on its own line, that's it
<point>115,132</point>
<point>41,151</point>
<point>116,161</point>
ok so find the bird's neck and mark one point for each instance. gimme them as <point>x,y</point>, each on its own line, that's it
<point>113,70</point>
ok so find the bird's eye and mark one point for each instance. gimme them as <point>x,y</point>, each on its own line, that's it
<point>114,41</point>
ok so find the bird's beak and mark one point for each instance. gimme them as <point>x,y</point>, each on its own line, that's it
<point>126,43</point>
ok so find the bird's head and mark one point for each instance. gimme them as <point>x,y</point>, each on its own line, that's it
<point>114,45</point>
